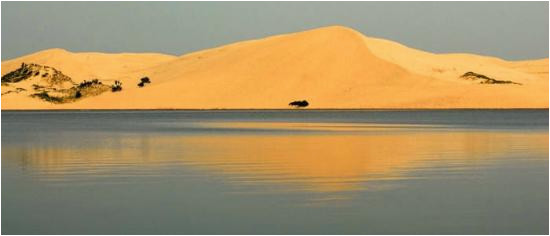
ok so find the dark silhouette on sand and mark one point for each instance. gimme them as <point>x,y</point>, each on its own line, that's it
<point>299,104</point>
<point>144,80</point>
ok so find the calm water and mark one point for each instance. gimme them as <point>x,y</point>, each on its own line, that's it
<point>275,172</point>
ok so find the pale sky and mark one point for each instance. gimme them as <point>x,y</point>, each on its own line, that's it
<point>510,30</point>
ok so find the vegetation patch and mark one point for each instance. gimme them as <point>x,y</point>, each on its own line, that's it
<point>17,90</point>
<point>485,79</point>
<point>72,94</point>
<point>117,87</point>
<point>49,75</point>
<point>22,73</point>
<point>53,86</point>
<point>299,104</point>
<point>91,83</point>
<point>89,89</point>
<point>46,97</point>
<point>144,80</point>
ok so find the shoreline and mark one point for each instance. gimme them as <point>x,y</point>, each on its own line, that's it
<point>272,109</point>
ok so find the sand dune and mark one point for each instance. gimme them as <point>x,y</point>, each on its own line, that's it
<point>330,67</point>
<point>88,65</point>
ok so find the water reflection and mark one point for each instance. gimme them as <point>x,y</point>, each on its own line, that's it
<point>314,157</point>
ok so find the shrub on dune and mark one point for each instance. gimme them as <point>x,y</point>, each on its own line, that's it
<point>117,86</point>
<point>299,104</point>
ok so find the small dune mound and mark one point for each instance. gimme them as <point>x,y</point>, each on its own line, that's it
<point>91,88</point>
<point>80,91</point>
<point>484,79</point>
<point>49,84</point>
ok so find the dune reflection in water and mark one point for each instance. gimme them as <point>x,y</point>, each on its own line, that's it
<point>314,157</point>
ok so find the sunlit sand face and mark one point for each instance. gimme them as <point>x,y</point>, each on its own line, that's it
<point>355,71</point>
<point>313,157</point>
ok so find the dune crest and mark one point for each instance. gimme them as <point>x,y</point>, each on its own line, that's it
<point>330,67</point>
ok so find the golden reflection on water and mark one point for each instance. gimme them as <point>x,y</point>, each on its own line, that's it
<point>318,162</point>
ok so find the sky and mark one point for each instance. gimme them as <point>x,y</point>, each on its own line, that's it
<point>509,30</point>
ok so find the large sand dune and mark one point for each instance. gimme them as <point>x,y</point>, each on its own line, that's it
<point>331,67</point>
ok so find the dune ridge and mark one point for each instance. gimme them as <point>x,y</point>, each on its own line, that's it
<point>331,67</point>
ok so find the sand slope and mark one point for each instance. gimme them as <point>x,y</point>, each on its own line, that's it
<point>331,67</point>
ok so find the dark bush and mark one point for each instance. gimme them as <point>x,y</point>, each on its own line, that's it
<point>145,80</point>
<point>117,86</point>
<point>299,104</point>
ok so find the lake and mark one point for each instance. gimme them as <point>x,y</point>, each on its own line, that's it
<point>275,172</point>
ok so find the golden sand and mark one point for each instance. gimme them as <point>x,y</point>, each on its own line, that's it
<point>330,67</point>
